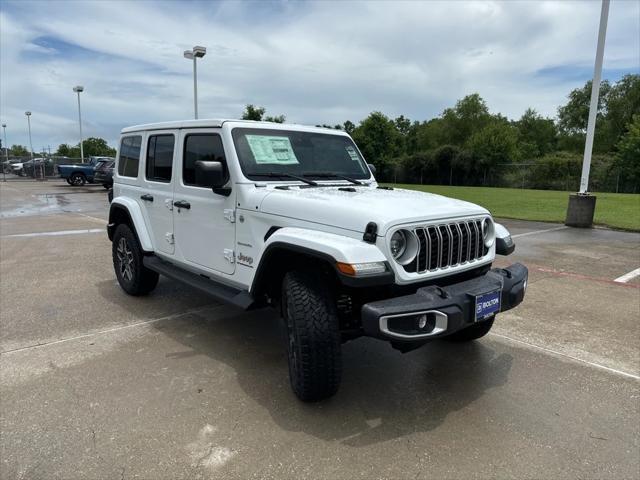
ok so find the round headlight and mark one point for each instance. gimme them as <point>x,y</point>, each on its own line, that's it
<point>488,232</point>
<point>404,246</point>
<point>398,244</point>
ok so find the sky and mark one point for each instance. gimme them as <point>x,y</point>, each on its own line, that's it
<point>315,62</point>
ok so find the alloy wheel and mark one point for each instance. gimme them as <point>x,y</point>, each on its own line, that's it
<point>125,260</point>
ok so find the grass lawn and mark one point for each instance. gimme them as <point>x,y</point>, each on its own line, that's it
<point>616,210</point>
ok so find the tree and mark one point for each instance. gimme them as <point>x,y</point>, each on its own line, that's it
<point>403,124</point>
<point>623,102</point>
<point>616,106</point>
<point>92,146</point>
<point>495,144</point>
<point>379,141</point>
<point>627,160</point>
<point>538,135</point>
<point>64,150</point>
<point>469,115</point>
<point>418,167</point>
<point>18,151</point>
<point>252,112</point>
<point>349,127</point>
<point>275,119</point>
<point>573,117</point>
<point>95,146</point>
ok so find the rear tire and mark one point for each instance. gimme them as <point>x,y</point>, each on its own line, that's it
<point>132,275</point>
<point>313,347</point>
<point>78,179</point>
<point>473,332</point>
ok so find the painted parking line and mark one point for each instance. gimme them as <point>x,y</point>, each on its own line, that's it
<point>95,219</point>
<point>570,357</point>
<point>579,276</point>
<point>628,276</point>
<point>55,234</point>
<point>536,232</point>
<point>113,329</point>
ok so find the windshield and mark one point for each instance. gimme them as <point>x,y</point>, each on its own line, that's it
<point>266,153</point>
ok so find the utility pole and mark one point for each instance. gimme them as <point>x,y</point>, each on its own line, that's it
<point>6,153</point>
<point>582,205</point>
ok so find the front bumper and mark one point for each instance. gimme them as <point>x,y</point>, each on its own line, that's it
<point>443,310</point>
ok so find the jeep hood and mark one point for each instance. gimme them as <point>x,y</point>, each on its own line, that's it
<point>353,210</point>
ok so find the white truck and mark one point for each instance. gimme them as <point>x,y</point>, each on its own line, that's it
<point>259,214</point>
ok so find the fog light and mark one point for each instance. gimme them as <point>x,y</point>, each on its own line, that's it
<point>422,322</point>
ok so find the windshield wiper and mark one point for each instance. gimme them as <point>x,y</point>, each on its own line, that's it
<point>332,175</point>
<point>283,175</point>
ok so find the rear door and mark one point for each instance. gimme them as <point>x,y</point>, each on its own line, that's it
<point>156,197</point>
<point>204,225</point>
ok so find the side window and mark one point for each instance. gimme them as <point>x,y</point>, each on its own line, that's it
<point>129,156</point>
<point>201,146</point>
<point>160,157</point>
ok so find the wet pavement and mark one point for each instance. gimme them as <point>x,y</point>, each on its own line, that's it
<point>96,384</point>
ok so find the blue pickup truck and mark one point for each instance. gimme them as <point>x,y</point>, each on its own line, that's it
<point>80,173</point>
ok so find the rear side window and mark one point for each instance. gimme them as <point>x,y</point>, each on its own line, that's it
<point>129,156</point>
<point>160,157</point>
<point>201,146</point>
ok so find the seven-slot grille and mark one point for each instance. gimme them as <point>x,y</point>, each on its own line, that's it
<point>448,245</point>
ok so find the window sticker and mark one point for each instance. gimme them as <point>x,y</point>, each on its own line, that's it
<point>352,153</point>
<point>272,150</point>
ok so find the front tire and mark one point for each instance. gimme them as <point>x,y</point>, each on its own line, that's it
<point>473,332</point>
<point>132,275</point>
<point>313,347</point>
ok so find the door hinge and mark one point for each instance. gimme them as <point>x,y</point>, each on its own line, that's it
<point>230,214</point>
<point>230,255</point>
<point>169,238</point>
<point>168,203</point>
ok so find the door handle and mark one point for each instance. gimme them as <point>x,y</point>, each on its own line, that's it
<point>182,204</point>
<point>146,197</point>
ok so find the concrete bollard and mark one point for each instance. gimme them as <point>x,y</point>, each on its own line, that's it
<point>580,210</point>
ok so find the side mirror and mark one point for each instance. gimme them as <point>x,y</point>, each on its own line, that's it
<point>211,175</point>
<point>372,167</point>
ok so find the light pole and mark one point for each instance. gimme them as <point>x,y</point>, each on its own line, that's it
<point>197,52</point>
<point>28,114</point>
<point>6,153</point>
<point>79,89</point>
<point>582,205</point>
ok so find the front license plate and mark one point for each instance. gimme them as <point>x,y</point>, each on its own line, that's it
<point>487,304</point>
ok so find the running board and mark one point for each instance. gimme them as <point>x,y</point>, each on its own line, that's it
<point>224,293</point>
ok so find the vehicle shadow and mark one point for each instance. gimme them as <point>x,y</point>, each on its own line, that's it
<point>384,395</point>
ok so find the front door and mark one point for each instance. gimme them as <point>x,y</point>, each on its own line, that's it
<point>203,220</point>
<point>157,195</point>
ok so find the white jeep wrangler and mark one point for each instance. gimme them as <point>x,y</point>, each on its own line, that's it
<point>261,214</point>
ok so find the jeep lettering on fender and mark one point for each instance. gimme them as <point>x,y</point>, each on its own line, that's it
<point>316,238</point>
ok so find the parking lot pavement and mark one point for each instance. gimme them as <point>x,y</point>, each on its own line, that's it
<point>96,384</point>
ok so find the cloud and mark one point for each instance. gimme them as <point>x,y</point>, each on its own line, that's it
<point>322,62</point>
